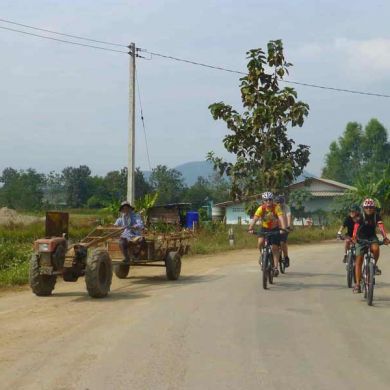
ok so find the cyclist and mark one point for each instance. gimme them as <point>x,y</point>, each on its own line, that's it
<point>272,220</point>
<point>281,201</point>
<point>365,228</point>
<point>349,223</point>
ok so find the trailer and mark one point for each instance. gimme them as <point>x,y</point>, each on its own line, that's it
<point>98,255</point>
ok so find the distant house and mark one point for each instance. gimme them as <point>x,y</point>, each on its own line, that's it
<point>323,192</point>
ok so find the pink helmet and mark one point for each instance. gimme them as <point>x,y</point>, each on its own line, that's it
<point>369,203</point>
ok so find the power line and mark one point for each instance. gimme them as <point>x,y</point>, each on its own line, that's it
<point>281,80</point>
<point>192,62</point>
<point>63,34</point>
<point>143,122</point>
<point>220,68</point>
<point>63,40</point>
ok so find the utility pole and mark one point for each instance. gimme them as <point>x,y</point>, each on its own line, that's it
<point>131,143</point>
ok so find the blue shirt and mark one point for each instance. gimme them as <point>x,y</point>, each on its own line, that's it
<point>133,224</point>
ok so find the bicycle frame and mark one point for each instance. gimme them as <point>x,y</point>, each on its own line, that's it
<point>368,270</point>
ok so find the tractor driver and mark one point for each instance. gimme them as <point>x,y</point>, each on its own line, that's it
<point>133,224</point>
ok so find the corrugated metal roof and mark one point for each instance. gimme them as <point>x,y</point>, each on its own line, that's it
<point>326,194</point>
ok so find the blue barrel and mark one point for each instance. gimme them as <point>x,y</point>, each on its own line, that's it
<point>192,219</point>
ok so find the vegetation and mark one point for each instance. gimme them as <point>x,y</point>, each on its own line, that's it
<point>265,155</point>
<point>76,188</point>
<point>16,242</point>
<point>361,159</point>
<point>358,154</point>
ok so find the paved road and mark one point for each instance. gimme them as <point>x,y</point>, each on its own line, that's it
<point>216,328</point>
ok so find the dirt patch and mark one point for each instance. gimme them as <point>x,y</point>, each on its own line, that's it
<point>10,216</point>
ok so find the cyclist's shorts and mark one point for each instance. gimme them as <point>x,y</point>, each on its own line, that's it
<point>360,248</point>
<point>284,237</point>
<point>274,239</point>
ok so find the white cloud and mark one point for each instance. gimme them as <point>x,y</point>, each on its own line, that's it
<point>369,59</point>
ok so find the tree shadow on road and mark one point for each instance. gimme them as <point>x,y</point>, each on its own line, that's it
<point>296,286</point>
<point>183,280</point>
<point>114,295</point>
<point>313,274</point>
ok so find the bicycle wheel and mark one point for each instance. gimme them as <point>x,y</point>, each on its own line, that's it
<point>271,268</point>
<point>364,280</point>
<point>265,269</point>
<point>282,265</point>
<point>371,282</point>
<point>350,270</point>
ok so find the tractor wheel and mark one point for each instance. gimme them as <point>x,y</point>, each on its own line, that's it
<point>41,285</point>
<point>98,274</point>
<point>173,265</point>
<point>122,270</point>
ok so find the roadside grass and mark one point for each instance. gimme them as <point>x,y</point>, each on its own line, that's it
<point>215,238</point>
<point>16,242</point>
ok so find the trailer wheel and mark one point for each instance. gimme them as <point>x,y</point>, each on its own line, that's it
<point>173,265</point>
<point>122,270</point>
<point>98,274</point>
<point>69,275</point>
<point>41,285</point>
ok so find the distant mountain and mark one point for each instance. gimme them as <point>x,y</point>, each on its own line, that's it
<point>192,170</point>
<point>304,175</point>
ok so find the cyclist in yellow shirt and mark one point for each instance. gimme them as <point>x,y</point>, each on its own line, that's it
<point>272,220</point>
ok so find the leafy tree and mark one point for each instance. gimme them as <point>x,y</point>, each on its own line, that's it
<point>198,193</point>
<point>142,187</point>
<point>115,183</point>
<point>22,189</point>
<point>375,148</point>
<point>54,194</point>
<point>265,155</point>
<point>298,200</point>
<point>168,183</point>
<point>76,185</point>
<point>358,154</point>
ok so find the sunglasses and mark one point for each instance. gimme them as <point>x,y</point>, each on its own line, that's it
<point>269,200</point>
<point>369,207</point>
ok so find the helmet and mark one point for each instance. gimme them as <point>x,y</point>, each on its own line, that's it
<point>280,199</point>
<point>369,203</point>
<point>354,207</point>
<point>267,196</point>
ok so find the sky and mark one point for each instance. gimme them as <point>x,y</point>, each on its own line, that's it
<point>63,105</point>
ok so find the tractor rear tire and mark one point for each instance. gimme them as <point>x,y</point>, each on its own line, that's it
<point>173,265</point>
<point>41,285</point>
<point>122,270</point>
<point>98,274</point>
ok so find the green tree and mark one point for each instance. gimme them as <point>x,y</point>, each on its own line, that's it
<point>298,200</point>
<point>54,193</point>
<point>358,154</point>
<point>142,187</point>
<point>375,148</point>
<point>265,155</point>
<point>198,193</point>
<point>22,189</point>
<point>168,183</point>
<point>76,185</point>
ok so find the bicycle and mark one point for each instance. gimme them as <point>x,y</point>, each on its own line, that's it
<point>367,281</point>
<point>350,263</point>
<point>267,259</point>
<point>282,261</point>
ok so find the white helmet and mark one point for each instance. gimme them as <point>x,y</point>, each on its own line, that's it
<point>267,196</point>
<point>368,202</point>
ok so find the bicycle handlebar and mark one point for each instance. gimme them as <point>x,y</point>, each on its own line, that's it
<point>269,234</point>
